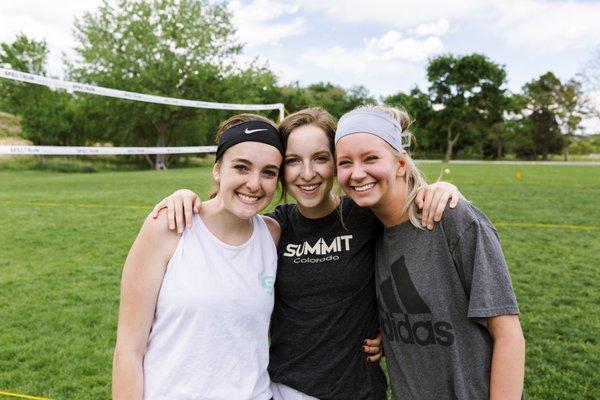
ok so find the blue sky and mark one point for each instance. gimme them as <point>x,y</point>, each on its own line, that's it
<point>381,44</point>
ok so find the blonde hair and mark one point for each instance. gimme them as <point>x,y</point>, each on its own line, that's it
<point>413,177</point>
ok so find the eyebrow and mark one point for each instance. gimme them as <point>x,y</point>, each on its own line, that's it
<point>315,153</point>
<point>242,160</point>
<point>248,162</point>
<point>375,152</point>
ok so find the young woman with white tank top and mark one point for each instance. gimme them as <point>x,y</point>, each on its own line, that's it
<point>195,307</point>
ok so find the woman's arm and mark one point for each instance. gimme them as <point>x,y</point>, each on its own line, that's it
<point>181,205</point>
<point>142,276</point>
<point>508,357</point>
<point>491,300</point>
<point>432,200</point>
<point>274,228</point>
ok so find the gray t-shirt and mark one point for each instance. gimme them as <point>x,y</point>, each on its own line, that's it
<point>435,290</point>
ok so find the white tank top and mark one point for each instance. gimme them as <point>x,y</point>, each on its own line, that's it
<point>209,338</point>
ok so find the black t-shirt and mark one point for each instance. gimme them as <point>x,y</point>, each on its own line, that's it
<point>325,304</point>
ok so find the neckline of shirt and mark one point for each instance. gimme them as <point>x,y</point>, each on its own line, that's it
<point>327,218</point>
<point>390,230</point>
<point>221,243</point>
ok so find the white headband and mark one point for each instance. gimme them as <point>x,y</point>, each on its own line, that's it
<point>374,122</point>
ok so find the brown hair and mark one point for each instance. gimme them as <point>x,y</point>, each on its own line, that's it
<point>230,122</point>
<point>315,116</point>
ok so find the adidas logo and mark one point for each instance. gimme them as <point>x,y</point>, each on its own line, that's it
<point>395,319</point>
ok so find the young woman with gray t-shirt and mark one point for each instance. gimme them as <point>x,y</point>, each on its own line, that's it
<point>447,308</point>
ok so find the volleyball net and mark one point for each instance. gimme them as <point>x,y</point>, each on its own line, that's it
<point>72,87</point>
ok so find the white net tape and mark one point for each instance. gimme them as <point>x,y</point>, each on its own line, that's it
<point>99,151</point>
<point>120,94</point>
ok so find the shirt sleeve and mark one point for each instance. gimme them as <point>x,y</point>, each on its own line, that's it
<point>478,256</point>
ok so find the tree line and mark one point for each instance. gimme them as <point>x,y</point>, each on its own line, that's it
<point>187,49</point>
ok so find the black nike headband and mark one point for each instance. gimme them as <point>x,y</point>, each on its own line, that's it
<point>250,131</point>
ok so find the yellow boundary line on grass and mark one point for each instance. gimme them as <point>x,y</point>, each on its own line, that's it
<point>22,396</point>
<point>587,228</point>
<point>73,205</point>
<point>507,224</point>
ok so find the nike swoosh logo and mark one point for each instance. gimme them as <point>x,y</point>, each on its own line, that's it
<point>247,131</point>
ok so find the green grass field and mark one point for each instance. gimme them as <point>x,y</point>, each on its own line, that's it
<point>64,237</point>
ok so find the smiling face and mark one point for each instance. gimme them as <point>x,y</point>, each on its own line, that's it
<point>309,169</point>
<point>368,171</point>
<point>247,175</point>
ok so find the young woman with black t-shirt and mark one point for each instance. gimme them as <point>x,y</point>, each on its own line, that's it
<point>325,303</point>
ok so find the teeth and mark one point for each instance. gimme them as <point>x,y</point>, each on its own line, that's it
<point>364,187</point>
<point>308,187</point>
<point>248,199</point>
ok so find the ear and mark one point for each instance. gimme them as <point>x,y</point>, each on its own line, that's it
<point>216,171</point>
<point>401,171</point>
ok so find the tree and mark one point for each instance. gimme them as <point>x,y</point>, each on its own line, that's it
<point>419,107</point>
<point>468,95</point>
<point>174,48</point>
<point>545,132</point>
<point>542,96</point>
<point>590,79</point>
<point>335,99</point>
<point>572,109</point>
<point>358,96</point>
<point>557,110</point>
<point>47,115</point>
<point>516,129</point>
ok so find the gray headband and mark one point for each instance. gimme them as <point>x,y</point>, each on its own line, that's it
<point>375,122</point>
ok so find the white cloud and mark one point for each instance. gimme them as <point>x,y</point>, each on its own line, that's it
<point>438,28</point>
<point>394,13</point>
<point>388,55</point>
<point>392,46</point>
<point>593,98</point>
<point>548,27</point>
<point>359,66</point>
<point>336,59</point>
<point>257,21</point>
<point>541,26</point>
<point>263,10</point>
<point>285,72</point>
<point>592,123</point>
<point>43,20</point>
